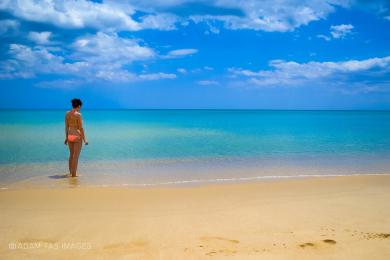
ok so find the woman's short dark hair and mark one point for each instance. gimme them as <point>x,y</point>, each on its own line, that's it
<point>76,102</point>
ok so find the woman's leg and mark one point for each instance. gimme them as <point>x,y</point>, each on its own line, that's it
<point>77,149</point>
<point>71,155</point>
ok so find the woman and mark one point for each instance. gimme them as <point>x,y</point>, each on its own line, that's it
<point>74,134</point>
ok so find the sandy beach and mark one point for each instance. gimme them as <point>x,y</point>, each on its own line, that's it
<point>316,218</point>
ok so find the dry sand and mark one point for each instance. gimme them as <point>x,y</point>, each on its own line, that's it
<point>317,218</point>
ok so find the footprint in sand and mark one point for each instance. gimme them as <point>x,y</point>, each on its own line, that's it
<point>369,235</point>
<point>376,235</point>
<point>214,242</point>
<point>329,241</point>
<point>312,245</point>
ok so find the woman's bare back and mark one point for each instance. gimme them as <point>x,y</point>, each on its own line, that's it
<point>73,121</point>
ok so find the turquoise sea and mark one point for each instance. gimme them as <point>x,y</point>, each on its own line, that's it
<point>151,147</point>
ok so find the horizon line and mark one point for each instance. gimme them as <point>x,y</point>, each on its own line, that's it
<point>216,109</point>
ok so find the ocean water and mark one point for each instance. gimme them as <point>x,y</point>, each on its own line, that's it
<point>151,147</point>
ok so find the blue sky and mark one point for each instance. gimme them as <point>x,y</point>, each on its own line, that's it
<point>286,54</point>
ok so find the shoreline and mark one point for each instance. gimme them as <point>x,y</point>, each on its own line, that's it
<point>74,182</point>
<point>156,172</point>
<point>345,217</point>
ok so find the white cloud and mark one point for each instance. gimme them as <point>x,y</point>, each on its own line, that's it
<point>180,53</point>
<point>115,75</point>
<point>182,71</point>
<point>271,16</point>
<point>326,38</point>
<point>207,82</point>
<point>337,32</point>
<point>196,70</point>
<point>104,47</point>
<point>72,14</point>
<point>126,76</point>
<point>340,31</point>
<point>213,28</point>
<point>105,16</point>
<point>8,25</point>
<point>26,62</point>
<point>266,15</point>
<point>42,38</point>
<point>96,58</point>
<point>290,73</point>
<point>60,83</point>
<point>100,56</point>
<point>156,76</point>
<point>159,21</point>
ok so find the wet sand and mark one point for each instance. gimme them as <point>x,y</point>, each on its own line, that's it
<point>314,218</point>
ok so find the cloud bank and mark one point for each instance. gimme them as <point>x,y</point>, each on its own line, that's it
<point>342,73</point>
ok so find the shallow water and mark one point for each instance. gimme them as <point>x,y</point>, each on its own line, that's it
<point>142,147</point>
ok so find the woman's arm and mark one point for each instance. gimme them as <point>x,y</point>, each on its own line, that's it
<point>66,129</point>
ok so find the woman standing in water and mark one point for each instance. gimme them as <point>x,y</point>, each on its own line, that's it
<point>74,134</point>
